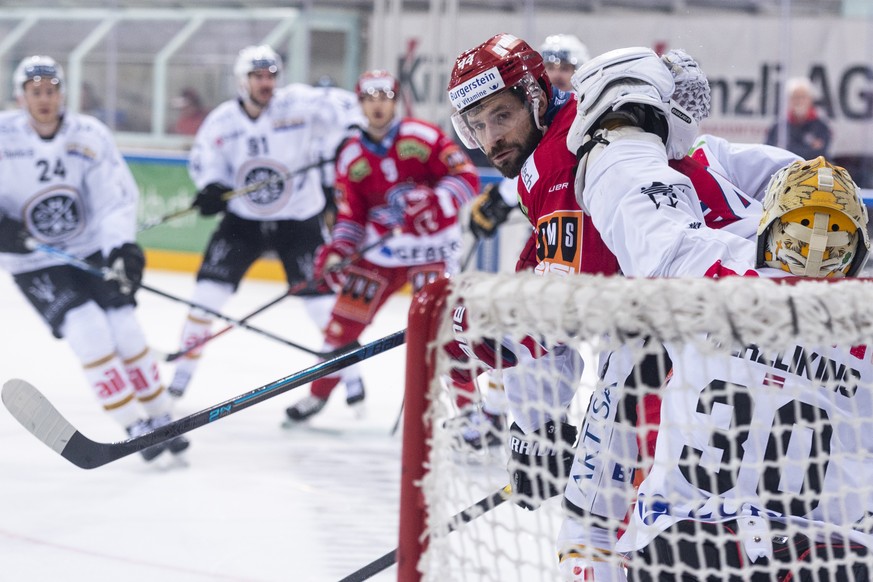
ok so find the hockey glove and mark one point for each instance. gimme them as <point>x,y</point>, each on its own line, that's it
<point>327,264</point>
<point>488,211</point>
<point>128,262</point>
<point>210,200</point>
<point>486,353</point>
<point>13,236</point>
<point>424,213</point>
<point>540,462</point>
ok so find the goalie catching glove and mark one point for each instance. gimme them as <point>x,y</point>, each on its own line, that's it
<point>211,199</point>
<point>13,236</point>
<point>540,462</point>
<point>128,263</point>
<point>488,211</point>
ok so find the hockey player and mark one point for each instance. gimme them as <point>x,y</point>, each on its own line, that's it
<point>263,136</point>
<point>509,133</point>
<point>628,159</point>
<point>64,183</point>
<point>562,54</point>
<point>698,514</point>
<point>398,174</point>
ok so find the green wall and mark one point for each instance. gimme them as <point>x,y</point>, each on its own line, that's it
<point>165,188</point>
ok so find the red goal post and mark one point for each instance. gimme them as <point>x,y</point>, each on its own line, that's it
<point>595,315</point>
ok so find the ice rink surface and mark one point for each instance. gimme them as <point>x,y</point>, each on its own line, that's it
<point>256,502</point>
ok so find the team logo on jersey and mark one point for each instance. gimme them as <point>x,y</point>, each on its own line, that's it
<point>558,241</point>
<point>660,194</point>
<point>360,170</point>
<point>43,289</point>
<point>56,215</point>
<point>412,149</point>
<point>270,183</point>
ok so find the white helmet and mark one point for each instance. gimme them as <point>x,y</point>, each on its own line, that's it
<point>37,67</point>
<point>255,58</point>
<point>814,223</point>
<point>564,48</point>
<point>627,76</point>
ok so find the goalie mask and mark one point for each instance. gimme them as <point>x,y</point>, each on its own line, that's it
<point>255,58</point>
<point>502,62</point>
<point>37,68</point>
<point>814,224</point>
<point>636,80</point>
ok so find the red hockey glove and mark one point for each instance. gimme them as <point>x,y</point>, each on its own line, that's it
<point>424,213</point>
<point>489,353</point>
<point>327,264</point>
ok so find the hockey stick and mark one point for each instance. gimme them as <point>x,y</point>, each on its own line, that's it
<point>482,506</point>
<point>42,419</point>
<point>470,254</point>
<point>108,274</point>
<point>233,194</point>
<point>291,291</point>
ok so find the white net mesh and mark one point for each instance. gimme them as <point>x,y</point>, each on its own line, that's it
<point>752,461</point>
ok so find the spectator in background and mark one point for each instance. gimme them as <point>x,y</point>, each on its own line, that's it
<point>806,134</point>
<point>191,112</point>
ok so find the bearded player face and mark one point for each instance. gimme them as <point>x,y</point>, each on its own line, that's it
<point>504,127</point>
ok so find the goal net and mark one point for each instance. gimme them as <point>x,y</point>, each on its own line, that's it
<point>725,430</point>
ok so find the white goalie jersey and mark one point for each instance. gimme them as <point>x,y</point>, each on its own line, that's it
<point>74,192</point>
<point>745,432</point>
<point>301,126</point>
<point>786,435</point>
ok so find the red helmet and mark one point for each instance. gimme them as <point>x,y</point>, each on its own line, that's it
<point>377,81</point>
<point>473,79</point>
<point>502,62</point>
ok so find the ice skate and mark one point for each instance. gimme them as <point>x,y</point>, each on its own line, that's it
<point>355,395</point>
<point>476,428</point>
<point>305,409</point>
<point>179,383</point>
<point>140,428</point>
<point>176,444</point>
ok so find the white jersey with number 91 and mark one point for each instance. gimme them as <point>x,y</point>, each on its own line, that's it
<point>300,126</point>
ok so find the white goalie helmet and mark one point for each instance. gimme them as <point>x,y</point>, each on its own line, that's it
<point>564,48</point>
<point>626,76</point>
<point>255,58</point>
<point>814,223</point>
<point>37,67</point>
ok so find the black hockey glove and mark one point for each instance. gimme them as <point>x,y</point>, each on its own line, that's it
<point>13,236</point>
<point>487,212</point>
<point>211,199</point>
<point>128,261</point>
<point>540,462</point>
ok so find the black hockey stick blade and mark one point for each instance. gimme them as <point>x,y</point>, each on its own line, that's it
<point>42,419</point>
<point>482,506</point>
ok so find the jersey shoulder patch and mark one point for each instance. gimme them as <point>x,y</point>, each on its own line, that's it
<point>424,132</point>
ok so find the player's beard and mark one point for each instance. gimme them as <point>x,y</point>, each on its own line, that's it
<point>510,166</point>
